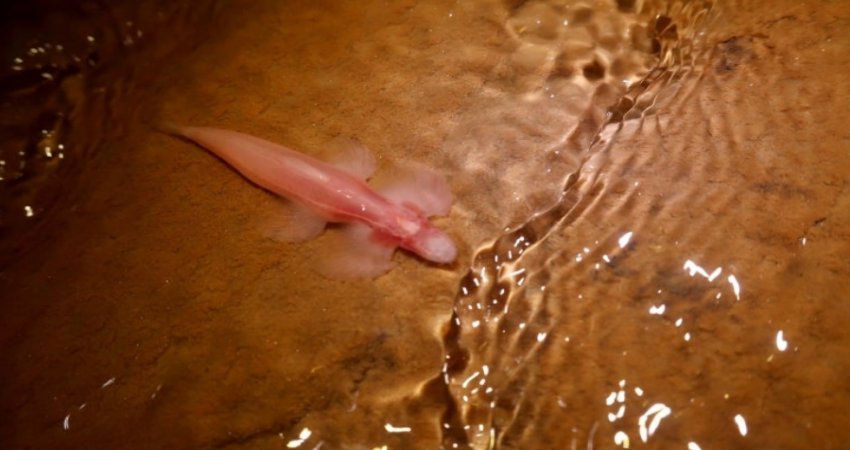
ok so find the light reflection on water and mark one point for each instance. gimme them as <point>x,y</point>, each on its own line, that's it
<point>503,320</point>
<point>60,95</point>
<point>618,294</point>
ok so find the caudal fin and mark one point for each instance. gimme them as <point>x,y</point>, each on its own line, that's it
<point>170,128</point>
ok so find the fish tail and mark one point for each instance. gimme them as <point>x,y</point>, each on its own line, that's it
<point>174,130</point>
<point>170,128</point>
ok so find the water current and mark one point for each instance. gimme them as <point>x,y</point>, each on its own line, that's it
<point>650,200</point>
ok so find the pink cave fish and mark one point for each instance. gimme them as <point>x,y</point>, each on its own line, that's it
<point>376,221</point>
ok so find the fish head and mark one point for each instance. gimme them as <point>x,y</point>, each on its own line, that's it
<point>433,245</point>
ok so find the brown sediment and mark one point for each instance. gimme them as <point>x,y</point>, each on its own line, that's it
<point>613,165</point>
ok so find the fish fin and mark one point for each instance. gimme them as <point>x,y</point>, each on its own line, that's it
<point>356,252</point>
<point>296,223</point>
<point>352,157</point>
<point>420,186</point>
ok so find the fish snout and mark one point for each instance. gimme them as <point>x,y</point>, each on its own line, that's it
<point>435,246</point>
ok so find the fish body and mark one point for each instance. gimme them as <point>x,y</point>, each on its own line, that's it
<point>338,193</point>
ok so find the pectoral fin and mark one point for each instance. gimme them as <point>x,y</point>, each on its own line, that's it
<point>356,252</point>
<point>419,186</point>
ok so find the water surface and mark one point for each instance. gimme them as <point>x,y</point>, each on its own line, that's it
<point>650,199</point>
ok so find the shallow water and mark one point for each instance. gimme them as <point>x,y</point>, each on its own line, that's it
<point>651,204</point>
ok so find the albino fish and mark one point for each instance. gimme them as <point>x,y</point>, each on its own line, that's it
<point>377,221</point>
